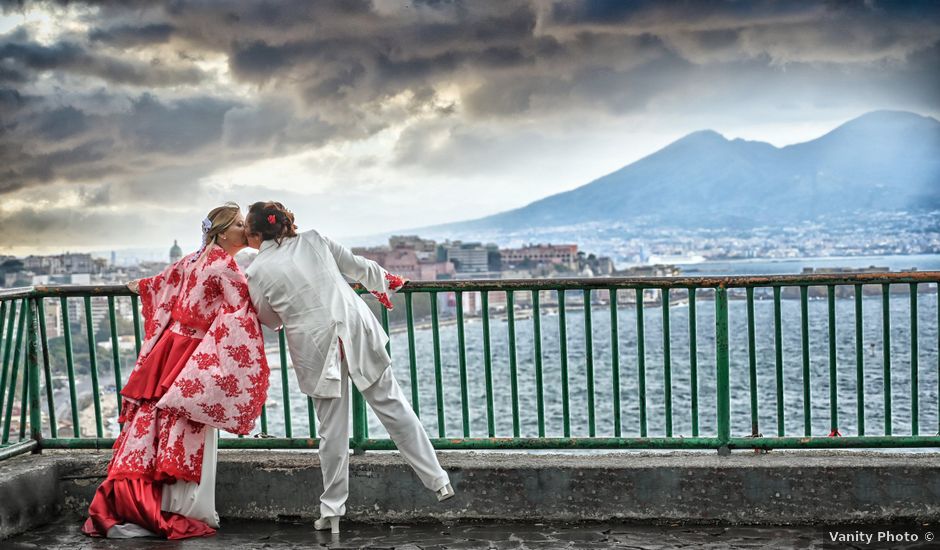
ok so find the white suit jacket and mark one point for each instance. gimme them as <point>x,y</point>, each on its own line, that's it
<point>303,284</point>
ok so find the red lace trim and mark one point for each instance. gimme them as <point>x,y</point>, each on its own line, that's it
<point>394,283</point>
<point>383,299</point>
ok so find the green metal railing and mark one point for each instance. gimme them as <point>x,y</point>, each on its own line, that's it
<point>30,357</point>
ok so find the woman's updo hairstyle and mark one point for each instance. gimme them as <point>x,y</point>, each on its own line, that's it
<point>220,219</point>
<point>216,223</point>
<point>271,220</point>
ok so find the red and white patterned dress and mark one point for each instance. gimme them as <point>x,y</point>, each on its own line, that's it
<point>202,364</point>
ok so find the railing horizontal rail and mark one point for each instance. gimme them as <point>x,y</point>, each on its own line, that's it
<point>869,442</point>
<point>569,283</point>
<point>19,448</point>
<point>439,443</point>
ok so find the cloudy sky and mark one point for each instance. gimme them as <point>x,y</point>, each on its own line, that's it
<point>123,122</point>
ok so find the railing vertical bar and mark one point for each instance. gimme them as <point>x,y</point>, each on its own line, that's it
<point>833,366</point>
<point>115,353</point>
<point>27,368</point>
<point>264,419</point>
<point>3,374</point>
<point>462,363</point>
<point>859,362</point>
<point>487,364</point>
<point>667,360</point>
<point>388,345</point>
<point>915,384</point>
<point>32,364</point>
<point>412,354</point>
<point>311,418</point>
<point>752,361</point>
<point>886,341</point>
<point>285,390</point>
<point>693,361</point>
<point>563,352</point>
<point>513,375</point>
<point>615,360</point>
<point>360,421</point>
<point>589,359</point>
<point>11,393</point>
<point>7,348</point>
<point>641,361</point>
<point>360,412</point>
<point>723,366</point>
<point>135,308</point>
<point>93,366</point>
<point>804,333</point>
<point>70,365</point>
<point>778,362</point>
<point>388,350</point>
<point>3,314</point>
<point>47,368</point>
<point>438,376</point>
<point>537,335</point>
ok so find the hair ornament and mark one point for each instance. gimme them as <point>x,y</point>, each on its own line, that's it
<point>206,225</point>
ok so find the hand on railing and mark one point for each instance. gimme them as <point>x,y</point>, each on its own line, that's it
<point>134,286</point>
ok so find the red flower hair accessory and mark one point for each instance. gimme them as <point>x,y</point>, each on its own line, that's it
<point>272,219</point>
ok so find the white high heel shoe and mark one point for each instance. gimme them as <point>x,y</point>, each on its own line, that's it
<point>445,492</point>
<point>328,522</point>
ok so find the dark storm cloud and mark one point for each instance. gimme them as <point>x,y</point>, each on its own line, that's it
<point>123,101</point>
<point>61,123</point>
<point>273,126</point>
<point>130,35</point>
<point>259,61</point>
<point>184,127</point>
<point>605,11</point>
<point>23,166</point>
<point>12,76</point>
<point>19,54</point>
<point>65,143</point>
<point>11,101</point>
<point>615,12</point>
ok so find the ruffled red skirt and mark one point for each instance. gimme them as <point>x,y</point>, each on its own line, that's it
<point>162,366</point>
<point>138,499</point>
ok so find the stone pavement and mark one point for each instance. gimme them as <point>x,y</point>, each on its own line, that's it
<point>237,534</point>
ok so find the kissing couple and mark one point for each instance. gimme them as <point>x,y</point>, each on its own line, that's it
<point>203,368</point>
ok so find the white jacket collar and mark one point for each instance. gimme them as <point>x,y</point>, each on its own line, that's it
<point>266,245</point>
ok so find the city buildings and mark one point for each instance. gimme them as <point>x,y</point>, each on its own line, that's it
<point>565,255</point>
<point>410,256</point>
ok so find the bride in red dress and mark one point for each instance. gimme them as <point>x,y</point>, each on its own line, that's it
<point>202,367</point>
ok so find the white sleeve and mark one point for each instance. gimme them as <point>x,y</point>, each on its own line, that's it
<point>266,314</point>
<point>363,270</point>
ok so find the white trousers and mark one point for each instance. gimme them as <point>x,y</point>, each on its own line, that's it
<point>389,404</point>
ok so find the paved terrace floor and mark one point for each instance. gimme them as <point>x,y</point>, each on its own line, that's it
<point>65,534</point>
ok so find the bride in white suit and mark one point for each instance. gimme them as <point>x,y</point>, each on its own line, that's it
<point>301,282</point>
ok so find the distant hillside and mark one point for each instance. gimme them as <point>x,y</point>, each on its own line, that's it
<point>884,160</point>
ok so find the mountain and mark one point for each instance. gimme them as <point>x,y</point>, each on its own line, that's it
<point>881,161</point>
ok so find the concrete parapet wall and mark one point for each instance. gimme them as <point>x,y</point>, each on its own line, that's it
<point>30,493</point>
<point>782,487</point>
